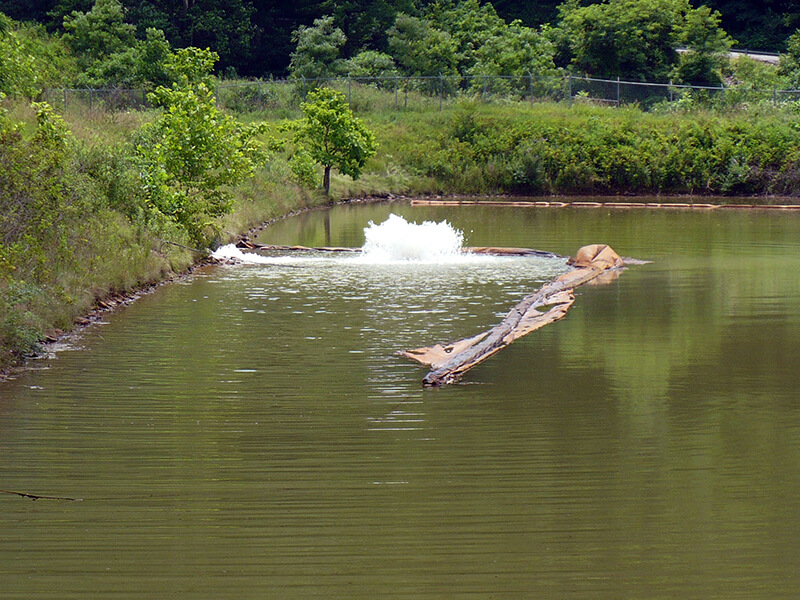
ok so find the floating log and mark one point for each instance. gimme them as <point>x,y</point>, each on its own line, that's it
<point>39,497</point>
<point>248,245</point>
<point>494,251</point>
<point>604,204</point>
<point>499,251</point>
<point>448,362</point>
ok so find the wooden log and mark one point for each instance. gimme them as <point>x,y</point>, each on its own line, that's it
<point>247,244</point>
<point>493,251</point>
<point>449,362</point>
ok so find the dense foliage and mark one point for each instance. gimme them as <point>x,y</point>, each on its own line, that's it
<point>638,39</point>
<point>63,236</point>
<point>590,150</point>
<point>113,40</point>
<point>254,36</point>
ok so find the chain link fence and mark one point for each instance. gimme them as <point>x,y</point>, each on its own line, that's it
<point>367,94</point>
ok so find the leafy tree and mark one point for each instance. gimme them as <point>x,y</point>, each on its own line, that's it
<point>623,38</point>
<point>517,51</point>
<point>41,207</point>
<point>330,135</point>
<point>192,153</point>
<point>98,33</point>
<point>422,50</point>
<point>108,51</point>
<point>637,39</point>
<point>707,48</point>
<point>371,63</point>
<point>30,59</point>
<point>143,64</point>
<point>41,215</point>
<point>316,54</point>
<point>469,24</point>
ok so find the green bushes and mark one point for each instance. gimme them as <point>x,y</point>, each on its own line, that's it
<point>71,229</point>
<point>552,149</point>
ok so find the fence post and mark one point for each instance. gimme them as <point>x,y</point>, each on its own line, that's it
<point>349,91</point>
<point>91,99</point>
<point>618,92</point>
<point>774,96</point>
<point>671,91</point>
<point>65,100</point>
<point>484,87</point>
<point>441,90</point>
<point>395,92</point>
<point>569,89</point>
<point>530,80</point>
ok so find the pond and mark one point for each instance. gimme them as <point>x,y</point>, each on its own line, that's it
<point>251,432</point>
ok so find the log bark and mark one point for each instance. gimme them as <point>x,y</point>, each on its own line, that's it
<point>493,251</point>
<point>449,362</point>
<point>248,245</point>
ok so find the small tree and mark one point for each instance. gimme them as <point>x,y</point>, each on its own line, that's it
<point>371,63</point>
<point>707,48</point>
<point>330,135</point>
<point>192,153</point>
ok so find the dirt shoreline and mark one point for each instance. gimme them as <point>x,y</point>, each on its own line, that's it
<point>119,300</point>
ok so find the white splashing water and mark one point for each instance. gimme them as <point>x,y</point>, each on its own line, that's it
<point>396,240</point>
<point>230,252</point>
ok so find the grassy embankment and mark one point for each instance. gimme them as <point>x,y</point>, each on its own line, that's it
<point>83,234</point>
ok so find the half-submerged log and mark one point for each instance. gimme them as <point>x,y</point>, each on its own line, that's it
<point>248,245</point>
<point>448,362</point>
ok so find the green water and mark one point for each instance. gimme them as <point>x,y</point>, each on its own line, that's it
<point>251,433</point>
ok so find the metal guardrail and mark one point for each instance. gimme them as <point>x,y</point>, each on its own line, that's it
<point>430,92</point>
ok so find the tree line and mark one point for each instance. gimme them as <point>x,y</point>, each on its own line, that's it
<point>95,43</point>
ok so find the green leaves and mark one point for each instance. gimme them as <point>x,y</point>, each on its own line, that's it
<point>108,52</point>
<point>636,39</point>
<point>98,33</point>
<point>30,59</point>
<point>317,52</point>
<point>330,135</point>
<point>193,153</point>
